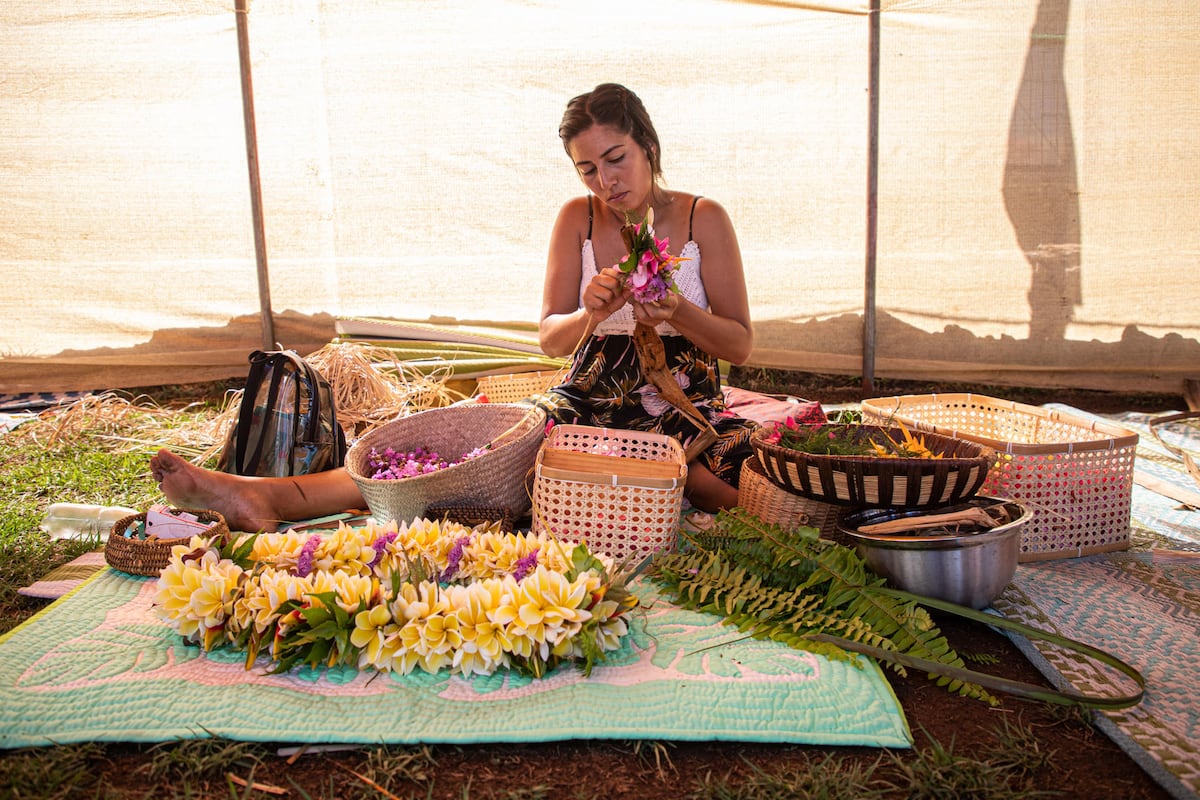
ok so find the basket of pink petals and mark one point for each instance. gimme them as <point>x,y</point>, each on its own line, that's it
<point>470,454</point>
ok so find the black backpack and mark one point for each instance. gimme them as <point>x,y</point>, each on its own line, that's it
<point>287,424</point>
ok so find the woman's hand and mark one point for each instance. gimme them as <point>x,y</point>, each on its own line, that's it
<point>657,312</point>
<point>605,294</point>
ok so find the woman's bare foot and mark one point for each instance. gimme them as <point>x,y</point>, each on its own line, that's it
<point>235,497</point>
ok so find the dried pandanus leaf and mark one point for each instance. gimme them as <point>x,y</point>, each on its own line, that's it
<point>653,357</point>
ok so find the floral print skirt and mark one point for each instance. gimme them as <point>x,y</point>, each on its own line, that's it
<point>606,388</point>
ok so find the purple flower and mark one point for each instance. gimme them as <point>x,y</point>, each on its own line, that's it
<point>304,562</point>
<point>380,546</point>
<point>525,565</point>
<point>454,558</point>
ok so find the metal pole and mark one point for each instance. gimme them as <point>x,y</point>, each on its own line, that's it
<point>260,238</point>
<point>868,368</point>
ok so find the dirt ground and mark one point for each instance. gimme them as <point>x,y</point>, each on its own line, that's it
<point>1077,760</point>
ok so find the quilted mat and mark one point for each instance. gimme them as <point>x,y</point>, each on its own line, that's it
<point>97,665</point>
<point>1142,606</point>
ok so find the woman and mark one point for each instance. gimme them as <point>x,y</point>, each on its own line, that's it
<point>588,312</point>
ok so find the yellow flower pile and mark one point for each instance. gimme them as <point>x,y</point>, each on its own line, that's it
<point>433,595</point>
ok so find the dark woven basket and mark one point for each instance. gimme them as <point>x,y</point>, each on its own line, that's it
<point>151,555</point>
<point>472,516</point>
<point>879,482</point>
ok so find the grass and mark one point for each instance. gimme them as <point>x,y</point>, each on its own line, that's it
<point>35,476</point>
<point>107,465</point>
<point>212,768</point>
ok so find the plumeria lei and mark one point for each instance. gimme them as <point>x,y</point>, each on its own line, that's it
<point>648,266</point>
<point>432,595</point>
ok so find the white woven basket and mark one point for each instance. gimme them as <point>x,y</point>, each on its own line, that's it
<point>620,492</point>
<point>1075,474</point>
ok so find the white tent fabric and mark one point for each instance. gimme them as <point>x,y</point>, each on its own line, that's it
<point>1036,176</point>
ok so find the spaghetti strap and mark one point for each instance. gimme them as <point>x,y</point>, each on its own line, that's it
<point>589,216</point>
<point>691,216</point>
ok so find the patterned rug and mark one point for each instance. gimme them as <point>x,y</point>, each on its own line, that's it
<point>1142,605</point>
<point>96,665</point>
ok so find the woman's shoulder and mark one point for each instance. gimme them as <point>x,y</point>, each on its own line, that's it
<point>576,208</point>
<point>705,208</point>
<point>572,221</point>
<point>704,214</point>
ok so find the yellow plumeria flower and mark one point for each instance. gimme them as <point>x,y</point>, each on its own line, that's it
<point>377,634</point>
<point>264,594</point>
<point>280,550</point>
<point>346,549</point>
<point>351,590</point>
<point>483,646</point>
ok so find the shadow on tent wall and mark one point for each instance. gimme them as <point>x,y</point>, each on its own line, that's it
<point>172,356</point>
<point>1137,363</point>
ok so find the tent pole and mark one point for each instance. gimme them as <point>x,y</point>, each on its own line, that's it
<point>260,238</point>
<point>868,368</point>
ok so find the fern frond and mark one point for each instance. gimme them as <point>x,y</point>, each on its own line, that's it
<point>797,588</point>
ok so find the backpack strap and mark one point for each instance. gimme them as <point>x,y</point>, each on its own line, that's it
<point>262,365</point>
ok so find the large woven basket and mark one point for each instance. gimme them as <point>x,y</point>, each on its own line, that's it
<point>1074,473</point>
<point>149,556</point>
<point>620,492</point>
<point>877,481</point>
<point>498,478</point>
<point>762,497</point>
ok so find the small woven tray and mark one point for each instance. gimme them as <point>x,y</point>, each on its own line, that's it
<point>879,482</point>
<point>151,555</point>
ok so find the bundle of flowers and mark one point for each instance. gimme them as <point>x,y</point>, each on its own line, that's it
<point>813,432</point>
<point>432,595</point>
<point>648,266</point>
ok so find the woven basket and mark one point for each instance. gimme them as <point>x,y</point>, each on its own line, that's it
<point>517,386</point>
<point>151,555</point>
<point>496,479</point>
<point>620,492</point>
<point>1075,474</point>
<point>878,482</point>
<point>473,515</point>
<point>762,497</point>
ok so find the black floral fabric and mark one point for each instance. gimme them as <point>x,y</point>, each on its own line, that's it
<point>606,387</point>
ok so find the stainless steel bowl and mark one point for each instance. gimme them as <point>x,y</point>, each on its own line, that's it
<point>968,568</point>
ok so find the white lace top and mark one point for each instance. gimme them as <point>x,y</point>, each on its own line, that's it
<point>687,279</point>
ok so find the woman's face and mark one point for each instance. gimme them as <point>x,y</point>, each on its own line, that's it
<point>613,167</point>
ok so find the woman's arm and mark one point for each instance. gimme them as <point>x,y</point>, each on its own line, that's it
<point>564,322</point>
<point>724,330</point>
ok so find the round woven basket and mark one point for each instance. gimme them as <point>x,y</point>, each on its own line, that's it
<point>768,501</point>
<point>499,478</point>
<point>879,482</point>
<point>150,556</point>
